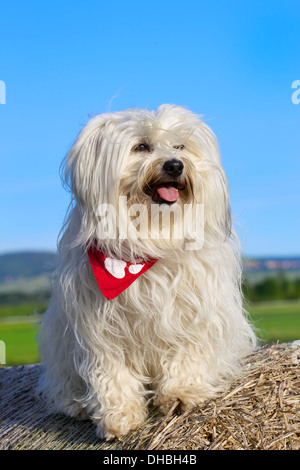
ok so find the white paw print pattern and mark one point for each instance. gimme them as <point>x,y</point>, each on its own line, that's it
<point>117,267</point>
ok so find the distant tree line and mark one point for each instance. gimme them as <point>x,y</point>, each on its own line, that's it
<point>278,287</point>
<point>13,298</point>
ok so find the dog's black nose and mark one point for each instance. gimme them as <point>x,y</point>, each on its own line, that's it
<point>173,168</point>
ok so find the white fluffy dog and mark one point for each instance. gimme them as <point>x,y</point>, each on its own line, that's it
<point>140,311</point>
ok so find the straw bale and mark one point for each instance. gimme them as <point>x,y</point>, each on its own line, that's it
<point>260,411</point>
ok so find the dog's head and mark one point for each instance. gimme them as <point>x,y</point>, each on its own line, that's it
<point>133,165</point>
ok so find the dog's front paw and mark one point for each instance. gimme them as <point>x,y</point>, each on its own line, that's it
<point>118,425</point>
<point>179,401</point>
<point>74,409</point>
<point>166,404</point>
<point>170,405</point>
<point>103,433</point>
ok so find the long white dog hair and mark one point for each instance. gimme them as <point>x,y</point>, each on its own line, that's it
<point>179,332</point>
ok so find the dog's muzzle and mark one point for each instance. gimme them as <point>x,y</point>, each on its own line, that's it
<point>165,190</point>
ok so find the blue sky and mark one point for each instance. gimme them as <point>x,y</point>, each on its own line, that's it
<point>233,63</point>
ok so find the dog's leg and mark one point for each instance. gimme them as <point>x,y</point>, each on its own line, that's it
<point>183,378</point>
<point>121,398</point>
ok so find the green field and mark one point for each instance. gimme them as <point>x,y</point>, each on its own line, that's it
<point>20,343</point>
<point>22,309</point>
<point>275,321</point>
<point>18,329</point>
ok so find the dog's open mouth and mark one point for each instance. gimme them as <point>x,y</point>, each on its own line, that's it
<point>165,192</point>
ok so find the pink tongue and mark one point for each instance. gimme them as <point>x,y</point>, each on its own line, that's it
<point>168,193</point>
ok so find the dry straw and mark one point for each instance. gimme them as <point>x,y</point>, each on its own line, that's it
<point>260,411</point>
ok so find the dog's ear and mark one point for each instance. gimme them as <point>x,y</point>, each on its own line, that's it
<point>81,163</point>
<point>217,211</point>
<point>215,192</point>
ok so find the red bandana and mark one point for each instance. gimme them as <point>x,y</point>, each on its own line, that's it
<point>114,276</point>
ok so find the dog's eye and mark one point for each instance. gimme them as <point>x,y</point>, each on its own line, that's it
<point>178,147</point>
<point>142,148</point>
